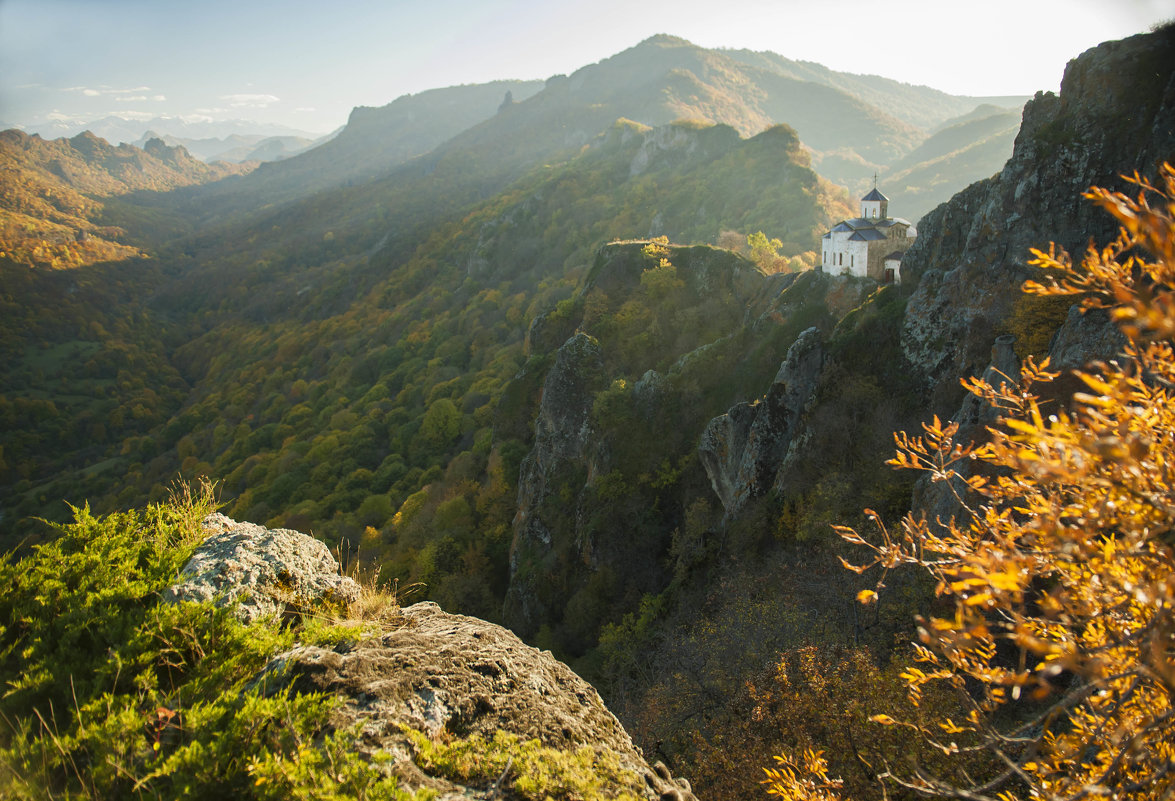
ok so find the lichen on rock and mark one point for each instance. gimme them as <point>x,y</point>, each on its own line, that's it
<point>265,572</point>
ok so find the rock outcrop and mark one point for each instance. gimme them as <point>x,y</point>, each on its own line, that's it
<point>707,271</point>
<point>454,676</point>
<point>1115,114</point>
<point>1084,338</point>
<point>742,450</point>
<point>681,141</point>
<point>264,572</point>
<point>559,544</point>
<point>562,439</point>
<point>437,674</point>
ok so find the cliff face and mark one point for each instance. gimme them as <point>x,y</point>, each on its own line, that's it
<point>742,449</point>
<point>551,477</point>
<point>609,423</point>
<point>1115,114</point>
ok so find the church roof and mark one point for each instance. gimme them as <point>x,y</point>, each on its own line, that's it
<point>897,254</point>
<point>875,195</point>
<point>867,235</point>
<point>872,225</point>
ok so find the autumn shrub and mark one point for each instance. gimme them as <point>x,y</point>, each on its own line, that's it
<point>1058,573</point>
<point>818,699</point>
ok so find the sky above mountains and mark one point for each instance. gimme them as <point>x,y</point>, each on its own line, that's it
<point>306,64</point>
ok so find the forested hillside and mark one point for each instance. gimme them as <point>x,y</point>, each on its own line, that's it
<point>51,195</point>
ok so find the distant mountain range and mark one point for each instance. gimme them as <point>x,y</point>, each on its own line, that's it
<point>854,126</point>
<point>960,151</point>
<point>239,148</point>
<point>119,130</point>
<point>54,193</point>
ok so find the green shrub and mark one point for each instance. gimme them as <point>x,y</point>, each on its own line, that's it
<point>112,693</point>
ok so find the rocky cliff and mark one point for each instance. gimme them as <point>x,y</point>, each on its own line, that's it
<point>609,419</point>
<point>552,477</point>
<point>742,449</point>
<point>1115,115</point>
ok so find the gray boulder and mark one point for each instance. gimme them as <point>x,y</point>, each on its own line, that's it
<point>1084,338</point>
<point>269,571</point>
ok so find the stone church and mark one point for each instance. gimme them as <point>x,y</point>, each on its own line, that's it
<point>869,246</point>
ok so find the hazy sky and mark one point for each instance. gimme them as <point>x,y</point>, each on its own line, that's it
<point>306,64</point>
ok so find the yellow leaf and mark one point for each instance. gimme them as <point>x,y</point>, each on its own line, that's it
<point>866,596</point>
<point>1004,581</point>
<point>978,599</point>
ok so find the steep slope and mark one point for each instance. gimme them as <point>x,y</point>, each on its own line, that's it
<point>765,619</point>
<point>1115,115</point>
<point>50,212</point>
<point>375,140</point>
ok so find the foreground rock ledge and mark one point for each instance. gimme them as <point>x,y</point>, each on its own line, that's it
<point>437,673</point>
